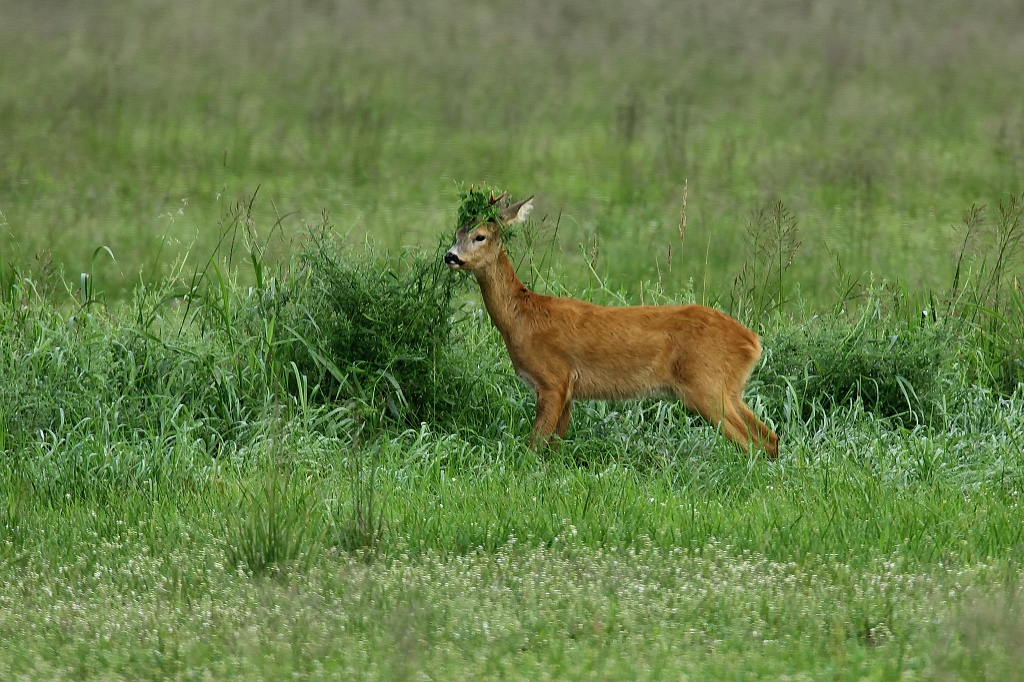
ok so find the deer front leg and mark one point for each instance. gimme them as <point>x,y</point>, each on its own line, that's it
<point>563,421</point>
<point>562,426</point>
<point>551,405</point>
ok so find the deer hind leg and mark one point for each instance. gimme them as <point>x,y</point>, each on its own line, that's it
<point>731,415</point>
<point>713,411</point>
<point>754,429</point>
<point>743,428</point>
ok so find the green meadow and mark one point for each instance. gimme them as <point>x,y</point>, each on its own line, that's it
<point>252,428</point>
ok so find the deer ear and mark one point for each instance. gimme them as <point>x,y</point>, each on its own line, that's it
<point>517,213</point>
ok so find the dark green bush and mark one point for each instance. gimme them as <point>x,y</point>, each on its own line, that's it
<point>363,326</point>
<point>892,368</point>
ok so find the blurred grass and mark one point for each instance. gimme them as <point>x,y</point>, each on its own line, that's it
<point>131,124</point>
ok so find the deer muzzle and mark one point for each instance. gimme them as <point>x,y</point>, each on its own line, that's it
<point>453,261</point>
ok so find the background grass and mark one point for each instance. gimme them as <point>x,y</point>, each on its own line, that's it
<point>126,123</point>
<point>253,446</point>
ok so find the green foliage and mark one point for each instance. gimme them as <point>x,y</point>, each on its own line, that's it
<point>914,372</point>
<point>373,329</point>
<point>987,640</point>
<point>759,289</point>
<point>479,205</point>
<point>359,525</point>
<point>147,365</point>
<point>984,300</point>
<point>270,525</point>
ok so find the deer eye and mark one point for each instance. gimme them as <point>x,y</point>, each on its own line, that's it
<point>480,238</point>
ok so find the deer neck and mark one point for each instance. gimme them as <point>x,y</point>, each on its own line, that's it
<point>503,293</point>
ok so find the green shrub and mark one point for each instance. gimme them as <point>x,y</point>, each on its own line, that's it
<point>366,327</point>
<point>892,368</point>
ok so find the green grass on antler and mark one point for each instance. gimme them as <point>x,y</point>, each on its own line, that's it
<point>479,204</point>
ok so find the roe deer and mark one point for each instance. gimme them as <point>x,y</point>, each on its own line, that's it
<point>569,350</point>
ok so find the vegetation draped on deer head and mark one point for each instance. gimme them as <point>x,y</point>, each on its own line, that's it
<point>484,205</point>
<point>479,204</point>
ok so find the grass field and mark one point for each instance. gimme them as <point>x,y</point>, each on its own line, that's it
<point>273,437</point>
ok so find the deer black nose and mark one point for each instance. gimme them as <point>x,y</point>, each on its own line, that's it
<point>451,259</point>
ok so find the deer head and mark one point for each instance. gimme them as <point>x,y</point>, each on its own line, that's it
<point>478,242</point>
